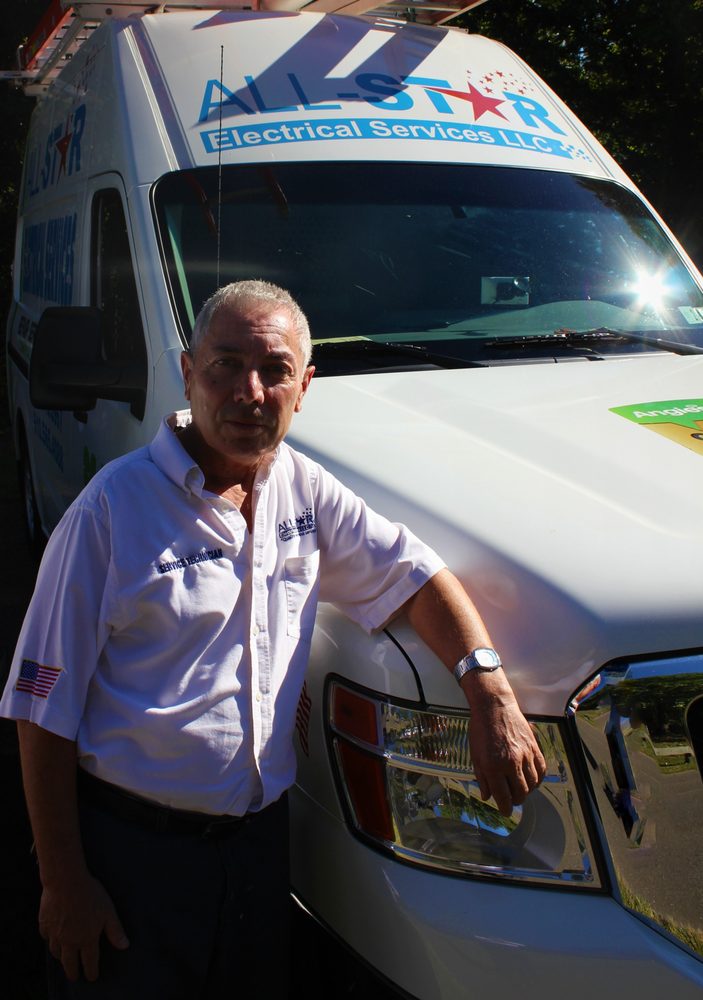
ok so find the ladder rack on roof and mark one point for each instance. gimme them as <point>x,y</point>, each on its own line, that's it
<point>68,23</point>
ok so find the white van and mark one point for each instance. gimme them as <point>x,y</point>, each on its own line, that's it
<point>508,347</point>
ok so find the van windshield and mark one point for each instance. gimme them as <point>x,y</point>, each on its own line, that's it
<point>399,264</point>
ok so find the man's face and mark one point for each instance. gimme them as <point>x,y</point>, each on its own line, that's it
<point>245,382</point>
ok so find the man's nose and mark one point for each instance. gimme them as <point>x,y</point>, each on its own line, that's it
<point>249,387</point>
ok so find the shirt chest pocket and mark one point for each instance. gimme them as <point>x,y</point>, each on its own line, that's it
<point>301,577</point>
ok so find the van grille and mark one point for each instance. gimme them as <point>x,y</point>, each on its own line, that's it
<point>641,729</point>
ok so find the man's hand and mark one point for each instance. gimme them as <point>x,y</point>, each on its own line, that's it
<point>72,922</point>
<point>506,759</point>
<point>75,909</point>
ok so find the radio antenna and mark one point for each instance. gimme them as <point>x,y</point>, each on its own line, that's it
<point>219,166</point>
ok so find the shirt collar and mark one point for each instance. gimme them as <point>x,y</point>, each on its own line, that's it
<point>173,460</point>
<point>170,456</point>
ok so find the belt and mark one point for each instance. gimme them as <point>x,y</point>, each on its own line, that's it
<point>152,815</point>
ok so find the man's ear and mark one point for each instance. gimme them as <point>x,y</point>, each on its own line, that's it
<point>186,369</point>
<point>305,382</point>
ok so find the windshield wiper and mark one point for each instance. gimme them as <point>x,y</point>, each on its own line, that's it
<point>587,338</point>
<point>366,350</point>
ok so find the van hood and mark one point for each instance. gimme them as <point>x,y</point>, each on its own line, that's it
<point>567,497</point>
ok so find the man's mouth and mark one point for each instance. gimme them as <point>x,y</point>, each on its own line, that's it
<point>242,421</point>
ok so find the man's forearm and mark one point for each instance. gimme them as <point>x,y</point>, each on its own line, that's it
<point>49,777</point>
<point>445,618</point>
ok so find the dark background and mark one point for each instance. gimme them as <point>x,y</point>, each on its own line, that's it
<point>632,72</point>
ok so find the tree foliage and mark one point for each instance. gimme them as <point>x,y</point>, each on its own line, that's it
<point>15,112</point>
<point>632,71</point>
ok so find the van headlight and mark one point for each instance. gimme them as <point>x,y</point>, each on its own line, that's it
<point>408,786</point>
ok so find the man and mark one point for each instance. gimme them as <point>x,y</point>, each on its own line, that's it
<point>157,695</point>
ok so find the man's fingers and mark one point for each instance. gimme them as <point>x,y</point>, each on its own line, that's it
<point>502,795</point>
<point>510,787</point>
<point>115,933</point>
<point>483,785</point>
<point>541,765</point>
<point>535,769</point>
<point>531,774</point>
<point>73,923</point>
<point>496,785</point>
<point>71,963</point>
<point>507,760</point>
<point>536,758</point>
<point>90,959</point>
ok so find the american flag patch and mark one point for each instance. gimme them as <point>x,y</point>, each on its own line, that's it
<point>36,679</point>
<point>302,719</point>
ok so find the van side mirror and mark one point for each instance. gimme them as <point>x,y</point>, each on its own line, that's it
<point>67,370</point>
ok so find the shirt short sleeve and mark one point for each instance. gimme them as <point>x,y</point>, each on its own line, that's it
<point>64,629</point>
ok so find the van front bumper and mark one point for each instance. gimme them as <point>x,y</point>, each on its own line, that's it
<point>441,936</point>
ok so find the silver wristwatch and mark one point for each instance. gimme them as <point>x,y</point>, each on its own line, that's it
<point>483,659</point>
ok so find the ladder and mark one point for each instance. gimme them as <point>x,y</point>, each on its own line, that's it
<point>67,24</point>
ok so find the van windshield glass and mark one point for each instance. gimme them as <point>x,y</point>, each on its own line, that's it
<point>391,261</point>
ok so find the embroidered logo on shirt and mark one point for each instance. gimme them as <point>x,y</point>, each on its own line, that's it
<point>295,527</point>
<point>37,679</point>
<point>197,557</point>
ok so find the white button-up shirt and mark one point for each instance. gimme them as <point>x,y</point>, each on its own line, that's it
<point>171,643</point>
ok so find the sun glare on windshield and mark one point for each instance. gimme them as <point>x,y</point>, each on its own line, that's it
<point>652,290</point>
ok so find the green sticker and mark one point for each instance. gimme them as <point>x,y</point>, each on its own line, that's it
<point>686,412</point>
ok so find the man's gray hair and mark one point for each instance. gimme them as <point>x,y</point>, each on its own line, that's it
<point>246,294</point>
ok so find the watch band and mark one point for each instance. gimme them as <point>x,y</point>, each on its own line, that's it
<point>483,659</point>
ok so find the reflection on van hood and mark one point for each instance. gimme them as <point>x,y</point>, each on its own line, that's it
<point>566,496</point>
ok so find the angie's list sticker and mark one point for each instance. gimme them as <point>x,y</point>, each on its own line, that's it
<point>680,420</point>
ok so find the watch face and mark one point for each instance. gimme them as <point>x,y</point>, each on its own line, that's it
<point>486,658</point>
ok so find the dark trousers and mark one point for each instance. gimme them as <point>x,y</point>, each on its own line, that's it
<point>206,914</point>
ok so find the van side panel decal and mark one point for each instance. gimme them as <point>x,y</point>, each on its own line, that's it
<point>42,421</point>
<point>48,257</point>
<point>679,420</point>
<point>56,154</point>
